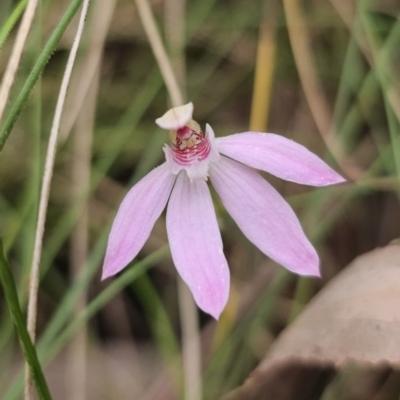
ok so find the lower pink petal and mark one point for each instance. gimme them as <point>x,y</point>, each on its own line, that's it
<point>279,156</point>
<point>135,219</point>
<point>264,216</point>
<point>196,244</point>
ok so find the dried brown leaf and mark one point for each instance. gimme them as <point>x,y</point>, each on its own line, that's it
<point>356,318</point>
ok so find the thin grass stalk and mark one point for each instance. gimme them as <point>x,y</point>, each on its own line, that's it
<point>301,47</point>
<point>174,11</point>
<point>13,62</point>
<point>191,343</point>
<point>100,21</point>
<point>11,21</point>
<point>11,296</point>
<point>45,191</point>
<point>33,189</point>
<point>159,52</point>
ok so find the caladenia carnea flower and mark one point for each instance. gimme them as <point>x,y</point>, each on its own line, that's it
<point>257,208</point>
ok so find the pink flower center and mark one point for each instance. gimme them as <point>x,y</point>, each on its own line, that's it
<point>190,146</point>
<point>184,133</point>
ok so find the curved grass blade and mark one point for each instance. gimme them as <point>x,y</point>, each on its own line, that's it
<point>41,62</point>
<point>10,293</point>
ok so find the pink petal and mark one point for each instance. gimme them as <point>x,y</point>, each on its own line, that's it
<point>264,216</point>
<point>135,219</point>
<point>278,156</point>
<point>196,244</point>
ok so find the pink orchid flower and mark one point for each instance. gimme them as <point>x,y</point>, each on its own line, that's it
<point>257,208</point>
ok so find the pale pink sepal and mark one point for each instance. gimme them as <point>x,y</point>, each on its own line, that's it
<point>264,216</point>
<point>196,244</point>
<point>279,156</point>
<point>176,117</point>
<point>135,219</point>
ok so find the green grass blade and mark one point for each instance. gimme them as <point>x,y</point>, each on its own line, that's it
<point>41,62</point>
<point>11,21</point>
<point>10,293</point>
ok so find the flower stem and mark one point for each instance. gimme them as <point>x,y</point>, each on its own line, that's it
<point>191,344</point>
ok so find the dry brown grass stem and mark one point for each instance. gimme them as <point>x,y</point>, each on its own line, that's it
<point>159,52</point>
<point>100,21</point>
<point>13,62</point>
<point>45,191</point>
<point>301,46</point>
